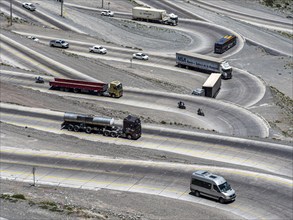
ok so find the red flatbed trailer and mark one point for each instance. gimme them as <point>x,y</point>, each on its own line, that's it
<point>78,85</point>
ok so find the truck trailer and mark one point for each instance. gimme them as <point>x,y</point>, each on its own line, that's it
<point>154,15</point>
<point>212,85</point>
<point>113,89</point>
<point>131,128</point>
<point>204,63</point>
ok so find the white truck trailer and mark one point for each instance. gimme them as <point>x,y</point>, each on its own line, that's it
<point>212,85</point>
<point>204,63</point>
<point>154,15</point>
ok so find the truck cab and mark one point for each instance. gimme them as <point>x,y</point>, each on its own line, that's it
<point>170,19</point>
<point>132,127</point>
<point>115,89</point>
<point>226,70</point>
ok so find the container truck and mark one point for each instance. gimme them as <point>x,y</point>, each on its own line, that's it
<point>212,85</point>
<point>204,63</point>
<point>131,128</point>
<point>154,15</point>
<point>113,89</point>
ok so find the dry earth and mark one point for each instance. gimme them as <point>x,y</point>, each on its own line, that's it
<point>48,202</point>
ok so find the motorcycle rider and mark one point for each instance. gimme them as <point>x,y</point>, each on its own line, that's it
<point>181,104</point>
<point>200,111</point>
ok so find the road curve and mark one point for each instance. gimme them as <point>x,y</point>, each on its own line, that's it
<point>238,151</point>
<point>245,89</point>
<point>220,116</point>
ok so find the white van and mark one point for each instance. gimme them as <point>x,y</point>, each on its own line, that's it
<point>211,185</point>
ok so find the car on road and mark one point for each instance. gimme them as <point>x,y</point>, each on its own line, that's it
<point>97,49</point>
<point>29,6</point>
<point>59,43</point>
<point>140,56</point>
<point>198,91</point>
<point>107,13</point>
<point>212,186</point>
<point>33,38</point>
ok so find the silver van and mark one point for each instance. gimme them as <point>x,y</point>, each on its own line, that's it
<point>211,185</point>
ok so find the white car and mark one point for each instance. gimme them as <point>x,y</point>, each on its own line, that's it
<point>107,13</point>
<point>29,6</point>
<point>198,91</point>
<point>59,43</point>
<point>140,56</point>
<point>33,38</point>
<point>98,49</point>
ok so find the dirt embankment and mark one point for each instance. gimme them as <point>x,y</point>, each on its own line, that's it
<point>22,201</point>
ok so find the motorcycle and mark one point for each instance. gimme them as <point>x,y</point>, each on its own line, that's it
<point>200,112</point>
<point>39,79</point>
<point>181,105</point>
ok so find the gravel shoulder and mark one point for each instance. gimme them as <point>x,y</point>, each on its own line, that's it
<point>49,202</point>
<point>282,8</point>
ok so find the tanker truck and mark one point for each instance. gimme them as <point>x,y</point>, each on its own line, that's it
<point>204,63</point>
<point>113,89</point>
<point>131,128</point>
<point>154,15</point>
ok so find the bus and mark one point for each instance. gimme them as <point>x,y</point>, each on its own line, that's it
<point>225,43</point>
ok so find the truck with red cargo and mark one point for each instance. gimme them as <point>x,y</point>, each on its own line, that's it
<point>113,89</point>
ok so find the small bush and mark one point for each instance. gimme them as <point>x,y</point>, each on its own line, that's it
<point>31,203</point>
<point>19,196</point>
<point>48,203</point>
<point>269,3</point>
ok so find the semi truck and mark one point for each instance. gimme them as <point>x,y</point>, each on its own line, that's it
<point>204,63</point>
<point>154,15</point>
<point>131,128</point>
<point>113,89</point>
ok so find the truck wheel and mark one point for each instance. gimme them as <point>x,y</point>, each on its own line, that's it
<point>114,134</point>
<point>113,95</point>
<point>70,128</point>
<point>75,90</point>
<point>106,133</point>
<point>129,136</point>
<point>88,130</point>
<point>221,200</point>
<point>197,193</point>
<point>76,128</point>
